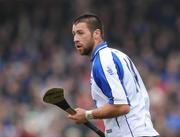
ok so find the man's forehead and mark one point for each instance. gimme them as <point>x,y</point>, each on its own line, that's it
<point>80,25</point>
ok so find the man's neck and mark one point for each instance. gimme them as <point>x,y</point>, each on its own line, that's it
<point>98,42</point>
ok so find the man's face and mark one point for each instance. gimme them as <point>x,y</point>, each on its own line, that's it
<point>83,38</point>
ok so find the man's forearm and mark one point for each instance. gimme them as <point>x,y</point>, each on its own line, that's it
<point>109,111</point>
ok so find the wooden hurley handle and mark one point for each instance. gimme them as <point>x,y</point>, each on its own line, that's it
<point>66,107</point>
<point>70,111</point>
<point>88,124</point>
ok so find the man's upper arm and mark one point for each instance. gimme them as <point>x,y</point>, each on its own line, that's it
<point>107,78</point>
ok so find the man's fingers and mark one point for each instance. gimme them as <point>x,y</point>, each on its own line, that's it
<point>71,117</point>
<point>76,109</point>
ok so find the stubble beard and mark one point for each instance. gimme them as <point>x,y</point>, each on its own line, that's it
<point>89,48</point>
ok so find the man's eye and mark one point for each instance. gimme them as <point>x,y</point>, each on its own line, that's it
<point>81,33</point>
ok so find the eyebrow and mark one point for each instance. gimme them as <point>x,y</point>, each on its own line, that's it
<point>73,32</point>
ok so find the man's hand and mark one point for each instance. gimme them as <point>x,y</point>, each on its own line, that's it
<point>79,117</point>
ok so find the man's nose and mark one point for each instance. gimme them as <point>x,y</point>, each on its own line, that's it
<point>76,39</point>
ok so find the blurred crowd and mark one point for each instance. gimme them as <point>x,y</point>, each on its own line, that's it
<point>37,53</point>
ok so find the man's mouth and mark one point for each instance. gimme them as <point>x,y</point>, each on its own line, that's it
<point>78,46</point>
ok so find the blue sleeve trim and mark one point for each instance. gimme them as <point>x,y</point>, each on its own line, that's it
<point>120,72</point>
<point>101,80</point>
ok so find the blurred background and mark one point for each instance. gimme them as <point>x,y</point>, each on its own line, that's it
<point>37,53</point>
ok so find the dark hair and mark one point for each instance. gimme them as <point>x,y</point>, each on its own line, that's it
<point>93,22</point>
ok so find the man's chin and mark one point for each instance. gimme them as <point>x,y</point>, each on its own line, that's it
<point>83,53</point>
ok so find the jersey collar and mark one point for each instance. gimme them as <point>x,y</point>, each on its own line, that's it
<point>97,49</point>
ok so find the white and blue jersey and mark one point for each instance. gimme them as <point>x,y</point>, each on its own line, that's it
<point>115,80</point>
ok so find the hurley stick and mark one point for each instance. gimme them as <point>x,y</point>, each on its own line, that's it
<point>55,96</point>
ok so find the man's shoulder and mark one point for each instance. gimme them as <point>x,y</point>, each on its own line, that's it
<point>117,51</point>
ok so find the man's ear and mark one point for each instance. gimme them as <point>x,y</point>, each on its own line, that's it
<point>97,34</point>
